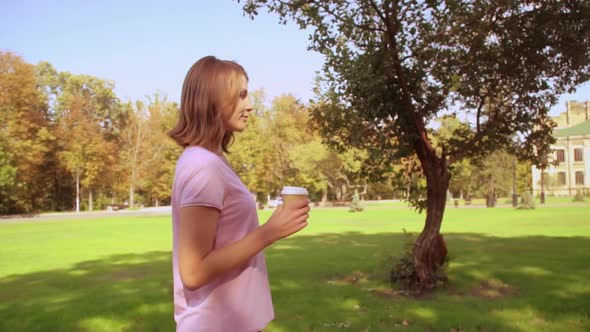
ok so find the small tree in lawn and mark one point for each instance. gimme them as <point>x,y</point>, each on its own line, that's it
<point>355,204</point>
<point>527,201</point>
<point>393,66</point>
<point>579,196</point>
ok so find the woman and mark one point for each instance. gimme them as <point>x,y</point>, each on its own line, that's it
<point>220,276</point>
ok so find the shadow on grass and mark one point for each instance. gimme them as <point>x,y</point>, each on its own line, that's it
<point>129,292</point>
<point>497,284</point>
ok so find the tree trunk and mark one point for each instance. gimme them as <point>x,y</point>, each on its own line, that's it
<point>77,190</point>
<point>429,249</point>
<point>542,194</point>
<point>364,192</point>
<point>90,206</point>
<point>324,196</point>
<point>491,199</point>
<point>131,192</point>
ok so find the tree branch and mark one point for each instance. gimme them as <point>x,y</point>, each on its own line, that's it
<point>392,30</point>
<point>458,154</point>
<point>478,116</point>
<point>327,9</point>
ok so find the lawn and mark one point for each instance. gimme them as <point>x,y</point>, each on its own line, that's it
<point>511,270</point>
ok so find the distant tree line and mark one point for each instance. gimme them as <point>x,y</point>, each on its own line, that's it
<point>68,142</point>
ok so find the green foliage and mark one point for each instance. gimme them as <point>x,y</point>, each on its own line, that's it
<point>492,174</point>
<point>480,177</point>
<point>87,127</point>
<point>407,174</point>
<point>7,179</point>
<point>147,155</point>
<point>387,74</point>
<point>262,154</point>
<point>404,275</point>
<point>527,201</point>
<point>279,148</point>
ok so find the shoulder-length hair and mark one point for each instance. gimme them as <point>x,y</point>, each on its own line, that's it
<point>210,94</point>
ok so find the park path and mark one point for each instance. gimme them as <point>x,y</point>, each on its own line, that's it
<point>150,211</point>
<point>166,210</point>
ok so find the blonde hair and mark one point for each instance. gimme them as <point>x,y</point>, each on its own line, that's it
<point>210,94</point>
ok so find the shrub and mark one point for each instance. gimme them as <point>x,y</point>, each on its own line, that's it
<point>579,197</point>
<point>355,205</point>
<point>403,274</point>
<point>526,201</point>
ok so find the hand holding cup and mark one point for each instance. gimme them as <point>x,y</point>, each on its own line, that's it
<point>291,216</point>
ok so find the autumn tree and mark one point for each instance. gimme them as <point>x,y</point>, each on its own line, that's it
<point>250,152</point>
<point>25,138</point>
<point>88,121</point>
<point>148,156</point>
<point>262,153</point>
<point>393,66</point>
<point>285,128</point>
<point>162,152</point>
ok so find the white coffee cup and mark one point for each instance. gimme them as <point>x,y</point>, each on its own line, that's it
<point>293,194</point>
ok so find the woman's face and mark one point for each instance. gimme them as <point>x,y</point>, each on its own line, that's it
<point>237,121</point>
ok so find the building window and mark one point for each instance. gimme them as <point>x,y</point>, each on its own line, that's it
<point>560,155</point>
<point>580,178</point>
<point>561,178</point>
<point>578,154</point>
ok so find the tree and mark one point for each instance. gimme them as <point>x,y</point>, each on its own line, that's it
<point>524,177</point>
<point>160,171</point>
<point>145,147</point>
<point>250,154</point>
<point>282,135</point>
<point>61,186</point>
<point>494,176</point>
<point>25,137</point>
<point>261,155</point>
<point>322,169</point>
<point>285,128</point>
<point>89,120</point>
<point>7,178</point>
<point>392,66</point>
<point>355,204</point>
<point>461,171</point>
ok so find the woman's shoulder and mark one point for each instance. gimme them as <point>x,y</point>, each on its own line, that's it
<point>196,158</point>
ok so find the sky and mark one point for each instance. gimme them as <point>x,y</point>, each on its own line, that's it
<point>148,46</point>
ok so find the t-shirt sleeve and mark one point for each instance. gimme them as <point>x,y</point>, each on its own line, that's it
<point>204,186</point>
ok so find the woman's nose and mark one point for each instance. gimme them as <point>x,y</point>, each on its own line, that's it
<point>249,106</point>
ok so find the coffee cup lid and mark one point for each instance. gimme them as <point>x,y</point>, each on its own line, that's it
<point>294,191</point>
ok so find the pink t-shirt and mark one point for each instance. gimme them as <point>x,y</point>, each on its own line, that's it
<point>238,300</point>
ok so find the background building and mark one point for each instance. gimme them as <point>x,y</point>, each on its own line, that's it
<point>572,151</point>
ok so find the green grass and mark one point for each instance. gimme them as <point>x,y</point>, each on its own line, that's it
<point>510,271</point>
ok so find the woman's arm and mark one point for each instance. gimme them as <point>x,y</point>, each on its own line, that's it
<point>200,264</point>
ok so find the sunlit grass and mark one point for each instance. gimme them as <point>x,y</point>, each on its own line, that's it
<point>510,271</point>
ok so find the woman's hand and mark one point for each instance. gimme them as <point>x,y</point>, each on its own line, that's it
<point>287,220</point>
